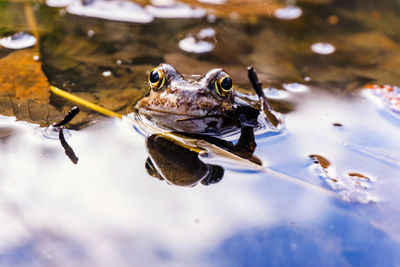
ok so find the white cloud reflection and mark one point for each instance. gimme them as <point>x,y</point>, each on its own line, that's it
<point>107,211</point>
<point>108,204</point>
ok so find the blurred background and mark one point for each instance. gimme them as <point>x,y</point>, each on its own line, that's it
<point>326,193</point>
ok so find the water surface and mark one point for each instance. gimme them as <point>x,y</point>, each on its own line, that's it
<point>327,192</point>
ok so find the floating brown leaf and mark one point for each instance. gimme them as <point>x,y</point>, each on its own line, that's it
<point>21,77</point>
<point>24,89</point>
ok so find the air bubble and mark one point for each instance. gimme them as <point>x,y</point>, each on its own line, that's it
<point>107,73</point>
<point>178,10</point>
<point>191,45</point>
<point>206,33</point>
<point>288,13</point>
<point>58,3</point>
<point>90,33</point>
<point>296,87</point>
<point>274,93</point>
<point>19,40</point>
<point>323,48</point>
<point>52,132</point>
<point>117,10</point>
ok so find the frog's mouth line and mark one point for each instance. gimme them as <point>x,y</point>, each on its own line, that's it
<point>198,118</point>
<point>185,116</point>
<point>183,122</point>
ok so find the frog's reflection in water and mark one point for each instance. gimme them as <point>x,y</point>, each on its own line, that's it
<point>180,164</point>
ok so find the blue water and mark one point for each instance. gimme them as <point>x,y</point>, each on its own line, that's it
<point>290,211</point>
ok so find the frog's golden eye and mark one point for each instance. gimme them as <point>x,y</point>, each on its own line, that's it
<point>223,85</point>
<point>157,79</point>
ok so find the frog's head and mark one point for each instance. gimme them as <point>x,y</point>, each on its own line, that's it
<point>185,104</point>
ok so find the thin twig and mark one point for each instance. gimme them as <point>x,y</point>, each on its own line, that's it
<point>70,115</point>
<point>83,102</point>
<point>67,148</point>
<point>265,108</point>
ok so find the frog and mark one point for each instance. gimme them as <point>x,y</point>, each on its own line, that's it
<point>191,110</point>
<point>208,105</point>
<point>199,109</point>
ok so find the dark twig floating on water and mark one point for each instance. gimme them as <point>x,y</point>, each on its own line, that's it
<point>68,117</point>
<point>252,74</point>
<point>67,148</point>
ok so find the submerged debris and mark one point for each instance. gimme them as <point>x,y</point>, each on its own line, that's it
<point>352,187</point>
<point>21,77</point>
<point>388,96</point>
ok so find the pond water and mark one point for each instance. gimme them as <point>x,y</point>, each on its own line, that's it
<point>325,194</point>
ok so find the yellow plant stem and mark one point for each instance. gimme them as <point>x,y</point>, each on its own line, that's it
<point>84,102</point>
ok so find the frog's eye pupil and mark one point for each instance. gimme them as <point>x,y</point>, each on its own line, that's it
<point>157,79</point>
<point>154,76</point>
<point>223,85</point>
<point>226,83</point>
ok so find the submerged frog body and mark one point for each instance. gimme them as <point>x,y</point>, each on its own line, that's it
<point>204,105</point>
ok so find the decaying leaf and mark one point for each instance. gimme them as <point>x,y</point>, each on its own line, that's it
<point>21,77</point>
<point>24,89</point>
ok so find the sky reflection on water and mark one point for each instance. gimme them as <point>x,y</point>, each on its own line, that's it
<point>107,210</point>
